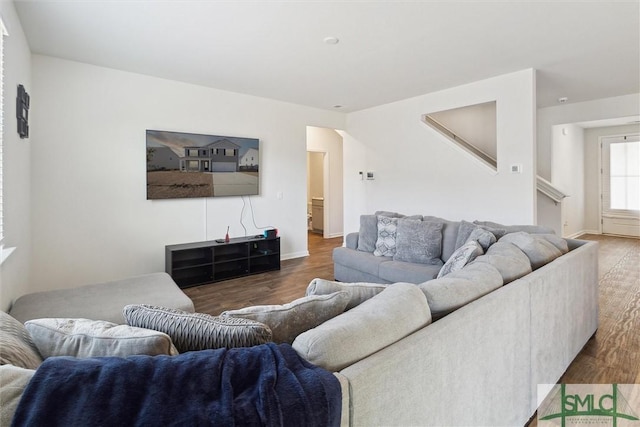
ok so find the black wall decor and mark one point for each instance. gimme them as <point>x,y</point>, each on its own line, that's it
<point>22,112</point>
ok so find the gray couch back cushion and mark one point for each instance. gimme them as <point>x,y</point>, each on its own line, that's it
<point>501,229</point>
<point>358,292</point>
<point>508,259</point>
<point>459,288</point>
<point>391,315</point>
<point>537,247</point>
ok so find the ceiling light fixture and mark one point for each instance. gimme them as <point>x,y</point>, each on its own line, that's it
<point>331,40</point>
<point>563,100</point>
<point>337,106</point>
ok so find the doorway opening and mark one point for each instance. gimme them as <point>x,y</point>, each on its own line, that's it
<point>324,202</point>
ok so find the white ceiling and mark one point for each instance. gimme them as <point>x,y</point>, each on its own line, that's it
<point>388,50</point>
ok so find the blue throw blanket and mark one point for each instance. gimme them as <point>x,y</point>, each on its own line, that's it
<point>266,385</point>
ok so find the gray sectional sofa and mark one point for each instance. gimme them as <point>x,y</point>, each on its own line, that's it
<point>510,310</point>
<point>481,362</point>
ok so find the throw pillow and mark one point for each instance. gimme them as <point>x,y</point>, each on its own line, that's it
<point>386,241</point>
<point>358,292</point>
<point>418,242</point>
<point>484,237</point>
<point>464,231</point>
<point>16,346</point>
<point>290,320</point>
<point>96,338</point>
<point>368,233</point>
<point>461,257</point>
<point>197,331</point>
<point>13,381</point>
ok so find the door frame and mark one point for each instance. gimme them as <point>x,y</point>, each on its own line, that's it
<point>326,191</point>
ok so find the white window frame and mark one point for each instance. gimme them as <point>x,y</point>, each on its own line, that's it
<point>4,252</point>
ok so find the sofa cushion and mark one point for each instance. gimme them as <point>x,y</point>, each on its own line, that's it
<point>500,229</point>
<point>197,331</point>
<point>449,235</point>
<point>536,247</point>
<point>461,257</point>
<point>95,338</point>
<point>358,260</point>
<point>358,291</point>
<point>460,287</point>
<point>13,381</point>
<point>398,215</point>
<point>16,345</point>
<point>418,242</point>
<point>290,320</point>
<point>508,259</point>
<point>368,234</point>
<point>102,301</point>
<point>400,271</point>
<point>391,315</point>
<point>386,241</point>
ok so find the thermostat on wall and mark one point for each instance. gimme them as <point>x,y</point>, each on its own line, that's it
<point>516,168</point>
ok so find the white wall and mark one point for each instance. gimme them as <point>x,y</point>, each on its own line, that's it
<point>417,171</point>
<point>14,272</point>
<point>592,171</point>
<point>599,109</point>
<point>91,220</point>
<point>330,142</point>
<point>476,124</point>
<point>567,173</point>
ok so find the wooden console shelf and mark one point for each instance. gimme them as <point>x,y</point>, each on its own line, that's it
<point>192,264</point>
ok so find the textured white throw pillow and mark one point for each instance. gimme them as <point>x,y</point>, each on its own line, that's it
<point>386,242</point>
<point>95,338</point>
<point>461,257</point>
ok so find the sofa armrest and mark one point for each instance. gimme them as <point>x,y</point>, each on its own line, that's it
<point>351,241</point>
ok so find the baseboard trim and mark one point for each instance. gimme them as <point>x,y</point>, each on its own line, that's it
<point>293,255</point>
<point>581,232</point>
<point>574,235</point>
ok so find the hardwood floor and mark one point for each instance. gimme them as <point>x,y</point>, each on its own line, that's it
<point>276,287</point>
<point>612,356</point>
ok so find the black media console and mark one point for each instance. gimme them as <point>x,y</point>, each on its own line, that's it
<point>192,264</point>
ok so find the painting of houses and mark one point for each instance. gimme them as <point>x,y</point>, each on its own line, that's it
<point>194,165</point>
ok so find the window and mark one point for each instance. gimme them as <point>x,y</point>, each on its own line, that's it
<point>621,185</point>
<point>3,33</point>
<point>625,175</point>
